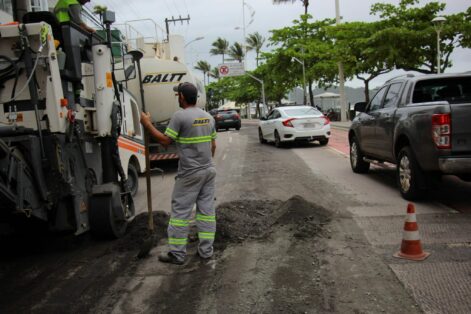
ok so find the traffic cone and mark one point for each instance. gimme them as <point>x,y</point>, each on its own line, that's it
<point>411,248</point>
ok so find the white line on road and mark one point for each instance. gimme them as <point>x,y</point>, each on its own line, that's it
<point>230,139</point>
<point>224,157</point>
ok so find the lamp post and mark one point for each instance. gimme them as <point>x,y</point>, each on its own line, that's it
<point>304,78</point>
<point>438,25</point>
<point>191,41</point>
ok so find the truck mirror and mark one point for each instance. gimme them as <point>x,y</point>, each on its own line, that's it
<point>360,106</point>
<point>127,71</point>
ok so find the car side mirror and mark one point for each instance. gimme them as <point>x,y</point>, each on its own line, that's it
<point>360,106</point>
<point>264,118</point>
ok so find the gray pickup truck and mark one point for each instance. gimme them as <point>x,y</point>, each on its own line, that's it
<point>420,123</point>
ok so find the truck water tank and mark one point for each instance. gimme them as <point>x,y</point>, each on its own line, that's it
<point>159,77</point>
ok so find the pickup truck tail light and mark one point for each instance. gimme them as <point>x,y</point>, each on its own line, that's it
<point>441,130</point>
<point>288,123</point>
<point>236,116</point>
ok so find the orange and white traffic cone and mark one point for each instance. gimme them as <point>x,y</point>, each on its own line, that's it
<point>411,248</point>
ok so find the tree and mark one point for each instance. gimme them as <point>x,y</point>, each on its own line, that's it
<point>409,40</point>
<point>220,47</point>
<point>255,42</point>
<point>305,3</point>
<point>354,48</point>
<point>236,52</point>
<point>214,73</point>
<point>204,67</point>
<point>310,42</point>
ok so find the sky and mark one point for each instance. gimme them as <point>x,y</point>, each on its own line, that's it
<point>224,18</point>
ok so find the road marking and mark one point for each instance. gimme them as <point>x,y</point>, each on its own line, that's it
<point>224,157</point>
<point>230,139</point>
<point>338,151</point>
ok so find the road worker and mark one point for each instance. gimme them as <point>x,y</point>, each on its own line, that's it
<point>193,131</point>
<point>71,10</point>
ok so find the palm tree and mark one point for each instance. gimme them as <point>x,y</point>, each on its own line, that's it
<point>255,42</point>
<point>236,52</point>
<point>204,67</point>
<point>305,3</point>
<point>220,47</point>
<point>214,72</point>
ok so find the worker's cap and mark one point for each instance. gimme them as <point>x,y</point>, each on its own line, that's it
<point>188,90</point>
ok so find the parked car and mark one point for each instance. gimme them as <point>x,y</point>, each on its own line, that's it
<point>294,123</point>
<point>226,119</point>
<point>421,124</point>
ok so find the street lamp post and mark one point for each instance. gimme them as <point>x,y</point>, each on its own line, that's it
<point>304,78</point>
<point>196,39</point>
<point>438,25</point>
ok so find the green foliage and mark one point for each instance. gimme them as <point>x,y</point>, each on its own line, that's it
<point>220,47</point>
<point>255,42</point>
<point>236,52</point>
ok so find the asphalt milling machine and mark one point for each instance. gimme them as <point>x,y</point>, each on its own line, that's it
<point>60,118</point>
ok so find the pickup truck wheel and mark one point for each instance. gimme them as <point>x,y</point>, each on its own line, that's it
<point>408,173</point>
<point>260,136</point>
<point>356,158</point>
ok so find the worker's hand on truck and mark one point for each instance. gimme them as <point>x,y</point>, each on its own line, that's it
<point>145,119</point>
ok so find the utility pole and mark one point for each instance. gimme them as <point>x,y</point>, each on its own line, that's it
<point>174,20</point>
<point>343,100</point>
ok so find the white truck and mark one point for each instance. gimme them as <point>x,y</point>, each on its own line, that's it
<point>59,158</point>
<point>163,67</point>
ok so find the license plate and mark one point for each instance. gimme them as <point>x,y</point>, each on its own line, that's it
<point>228,120</point>
<point>310,125</point>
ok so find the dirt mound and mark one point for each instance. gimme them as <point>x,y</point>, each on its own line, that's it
<point>306,218</point>
<point>137,232</point>
<point>254,219</point>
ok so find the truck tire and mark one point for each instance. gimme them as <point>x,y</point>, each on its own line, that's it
<point>260,136</point>
<point>408,175</point>
<point>106,212</point>
<point>356,158</point>
<point>133,179</point>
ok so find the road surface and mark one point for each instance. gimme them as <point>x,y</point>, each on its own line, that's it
<point>298,232</point>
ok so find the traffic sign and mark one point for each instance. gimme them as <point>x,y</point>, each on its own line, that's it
<point>231,69</point>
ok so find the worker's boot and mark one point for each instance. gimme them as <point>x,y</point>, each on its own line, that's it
<point>170,258</point>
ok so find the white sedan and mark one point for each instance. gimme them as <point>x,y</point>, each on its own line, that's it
<point>294,123</point>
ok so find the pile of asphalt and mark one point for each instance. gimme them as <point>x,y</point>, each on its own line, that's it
<point>255,219</point>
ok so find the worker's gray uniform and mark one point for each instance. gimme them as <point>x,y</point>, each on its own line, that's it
<point>193,130</point>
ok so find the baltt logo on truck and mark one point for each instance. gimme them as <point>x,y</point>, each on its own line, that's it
<point>162,78</point>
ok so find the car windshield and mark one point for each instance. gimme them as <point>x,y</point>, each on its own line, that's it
<point>227,112</point>
<point>297,112</point>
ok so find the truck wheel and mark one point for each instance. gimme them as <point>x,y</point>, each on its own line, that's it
<point>356,158</point>
<point>133,179</point>
<point>324,141</point>
<point>408,174</point>
<point>107,215</point>
<point>260,136</point>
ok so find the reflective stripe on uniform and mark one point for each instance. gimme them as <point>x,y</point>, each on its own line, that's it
<point>194,140</point>
<point>179,222</point>
<point>213,135</point>
<point>177,241</point>
<point>201,217</point>
<point>171,133</point>
<point>206,235</point>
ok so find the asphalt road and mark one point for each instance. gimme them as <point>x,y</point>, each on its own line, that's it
<point>298,233</point>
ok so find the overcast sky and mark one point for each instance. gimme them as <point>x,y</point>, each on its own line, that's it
<point>219,18</point>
